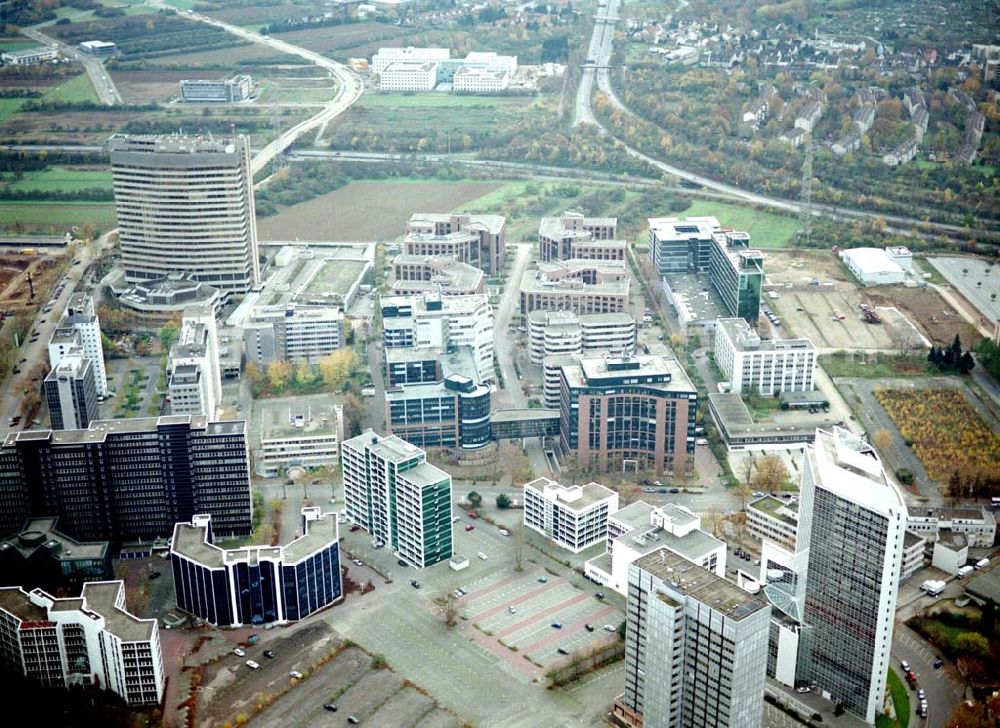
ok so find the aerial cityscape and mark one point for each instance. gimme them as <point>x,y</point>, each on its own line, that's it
<point>426,364</point>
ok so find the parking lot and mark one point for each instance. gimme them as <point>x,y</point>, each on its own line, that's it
<point>519,612</point>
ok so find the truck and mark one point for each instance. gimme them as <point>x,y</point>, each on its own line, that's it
<point>963,571</point>
<point>933,587</point>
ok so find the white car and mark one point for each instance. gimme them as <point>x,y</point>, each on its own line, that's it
<point>610,628</point>
<point>504,532</point>
<point>296,674</point>
<point>253,665</point>
<point>905,665</point>
<point>239,653</point>
<point>482,556</point>
<point>512,610</point>
<point>922,695</point>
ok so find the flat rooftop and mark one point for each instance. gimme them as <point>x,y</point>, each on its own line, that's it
<point>101,597</point>
<point>738,423</point>
<point>315,422</point>
<point>675,228</point>
<point>635,515</point>
<point>523,415</point>
<point>41,532</point>
<point>694,297</point>
<point>445,272</point>
<point>701,584</point>
<point>424,475</point>
<point>492,223</point>
<point>986,586</point>
<point>15,601</point>
<point>321,274</point>
<point>567,276</point>
<point>390,447</point>
<point>573,497</point>
<point>598,372</point>
<point>99,430</point>
<point>745,338</point>
<point>778,509</point>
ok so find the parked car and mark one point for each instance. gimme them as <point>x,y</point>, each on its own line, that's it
<point>599,595</point>
<point>802,689</point>
<point>239,653</point>
<point>512,609</point>
<point>589,627</point>
<point>469,527</point>
<point>253,665</point>
<point>557,625</point>
<point>610,628</point>
<point>415,584</point>
<point>504,532</point>
<point>269,654</point>
<point>296,674</point>
<point>481,555</point>
<point>331,707</point>
<point>155,575</point>
<point>905,665</point>
<point>562,651</point>
<point>938,663</point>
<point>675,490</point>
<point>922,695</point>
<point>402,563</point>
<point>353,720</point>
<point>358,562</point>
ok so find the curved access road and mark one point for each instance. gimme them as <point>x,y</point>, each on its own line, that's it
<point>599,58</point>
<point>349,85</point>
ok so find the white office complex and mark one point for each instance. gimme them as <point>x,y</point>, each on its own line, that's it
<point>581,286</point>
<point>224,90</point>
<point>480,81</point>
<point>852,522</point>
<point>573,517</point>
<point>186,204</point>
<point>292,333</point>
<point>551,333</point>
<point>398,497</point>
<point>87,640</point>
<point>978,525</point>
<point>774,519</point>
<point>696,648</point>
<point>403,76</point>
<point>756,366</point>
<point>309,439</point>
<point>30,56</point>
<point>81,318</point>
<point>639,529</point>
<point>195,383</point>
<point>441,322</point>
<point>387,56</point>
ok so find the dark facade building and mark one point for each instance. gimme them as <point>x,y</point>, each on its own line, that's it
<point>71,392</point>
<point>257,584</point>
<point>123,480</point>
<point>454,412</point>
<point>41,557</point>
<point>636,412</point>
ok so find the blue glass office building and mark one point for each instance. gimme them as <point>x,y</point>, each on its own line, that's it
<point>257,584</point>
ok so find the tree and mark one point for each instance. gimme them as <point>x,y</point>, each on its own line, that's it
<point>973,643</point>
<point>771,473</point>
<point>336,367</point>
<point>253,374</point>
<point>304,374</point>
<point>504,501</point>
<point>882,440</point>
<point>279,374</point>
<point>450,610</point>
<point>169,333</point>
<point>475,499</point>
<point>969,714</point>
<point>517,537</point>
<point>621,629</point>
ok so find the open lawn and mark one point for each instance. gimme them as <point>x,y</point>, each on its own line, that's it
<point>61,179</point>
<point>369,210</point>
<point>433,100</point>
<point>77,88</point>
<point>766,229</point>
<point>16,44</point>
<point>9,107</point>
<point>56,217</point>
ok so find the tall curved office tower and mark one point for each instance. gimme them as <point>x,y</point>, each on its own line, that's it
<point>185,204</point>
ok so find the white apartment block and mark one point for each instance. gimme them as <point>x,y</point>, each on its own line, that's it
<point>309,440</point>
<point>551,333</point>
<point>977,524</point>
<point>491,61</point>
<point>81,318</point>
<point>573,517</point>
<point>441,322</point>
<point>195,385</point>
<point>88,640</point>
<point>773,519</point>
<point>292,333</point>
<point>31,56</point>
<point>758,366</point>
<point>480,81</point>
<point>914,547</point>
<point>387,56</point>
<point>402,76</point>
<point>391,491</point>
<point>639,529</point>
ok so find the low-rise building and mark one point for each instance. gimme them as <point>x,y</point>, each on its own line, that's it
<point>309,439</point>
<point>478,240</point>
<point>90,640</point>
<point>292,333</point>
<point>902,153</point>
<point>581,286</point>
<point>158,300</point>
<point>571,235</point>
<point>773,519</point>
<point>639,529</point>
<point>480,81</point>
<point>387,56</point>
<point>739,431</point>
<point>257,584</point>
<point>573,517</point>
<point>402,76</point>
<point>872,266</point>
<point>977,524</point>
<point>225,90</point>
<point>445,275</point>
<point>950,552</point>
<point>30,56</point>
<point>551,333</point>
<point>914,547</point>
<point>99,48</point>
<point>39,555</point>
<point>763,366</point>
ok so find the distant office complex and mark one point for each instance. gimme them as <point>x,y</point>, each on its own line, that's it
<point>121,480</point>
<point>634,412</point>
<point>292,333</point>
<point>571,235</point>
<point>701,245</point>
<point>639,529</point>
<point>87,640</point>
<point>478,240</point>
<point>226,90</point>
<point>71,392</point>
<point>257,584</point>
<point>757,366</point>
<point>851,523</point>
<point>443,323</point>
<point>580,286</point>
<point>39,555</point>
<point>551,333</point>
<point>186,204</point>
<point>195,382</point>
<point>30,56</point>
<point>573,517</point>
<point>444,275</point>
<point>398,497</point>
<point>81,317</point>
<point>696,648</point>
<point>422,69</point>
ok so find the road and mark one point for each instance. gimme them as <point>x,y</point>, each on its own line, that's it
<point>99,76</point>
<point>598,57</point>
<point>349,85</point>
<point>504,345</point>
<point>943,693</point>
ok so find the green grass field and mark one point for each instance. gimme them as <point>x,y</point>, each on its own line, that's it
<point>54,217</point>
<point>78,88</point>
<point>766,229</point>
<point>431,100</point>
<point>62,179</point>
<point>16,44</point>
<point>900,702</point>
<point>9,107</point>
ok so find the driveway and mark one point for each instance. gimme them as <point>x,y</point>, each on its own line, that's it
<point>943,692</point>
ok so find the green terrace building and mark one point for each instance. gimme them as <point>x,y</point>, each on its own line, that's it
<point>398,497</point>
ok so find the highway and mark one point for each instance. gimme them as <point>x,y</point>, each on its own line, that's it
<point>598,57</point>
<point>99,76</point>
<point>349,85</point>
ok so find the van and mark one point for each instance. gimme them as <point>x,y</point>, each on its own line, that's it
<point>963,571</point>
<point>982,563</point>
<point>482,556</point>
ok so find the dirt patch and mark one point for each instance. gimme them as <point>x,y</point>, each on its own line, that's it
<point>146,87</point>
<point>346,40</point>
<point>929,311</point>
<point>367,210</point>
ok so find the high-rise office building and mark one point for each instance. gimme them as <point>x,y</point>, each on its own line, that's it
<point>852,522</point>
<point>195,386</point>
<point>695,648</point>
<point>123,480</point>
<point>398,497</point>
<point>71,392</point>
<point>81,317</point>
<point>257,584</point>
<point>186,204</point>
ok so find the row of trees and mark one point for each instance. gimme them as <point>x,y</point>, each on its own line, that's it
<point>951,359</point>
<point>332,371</point>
